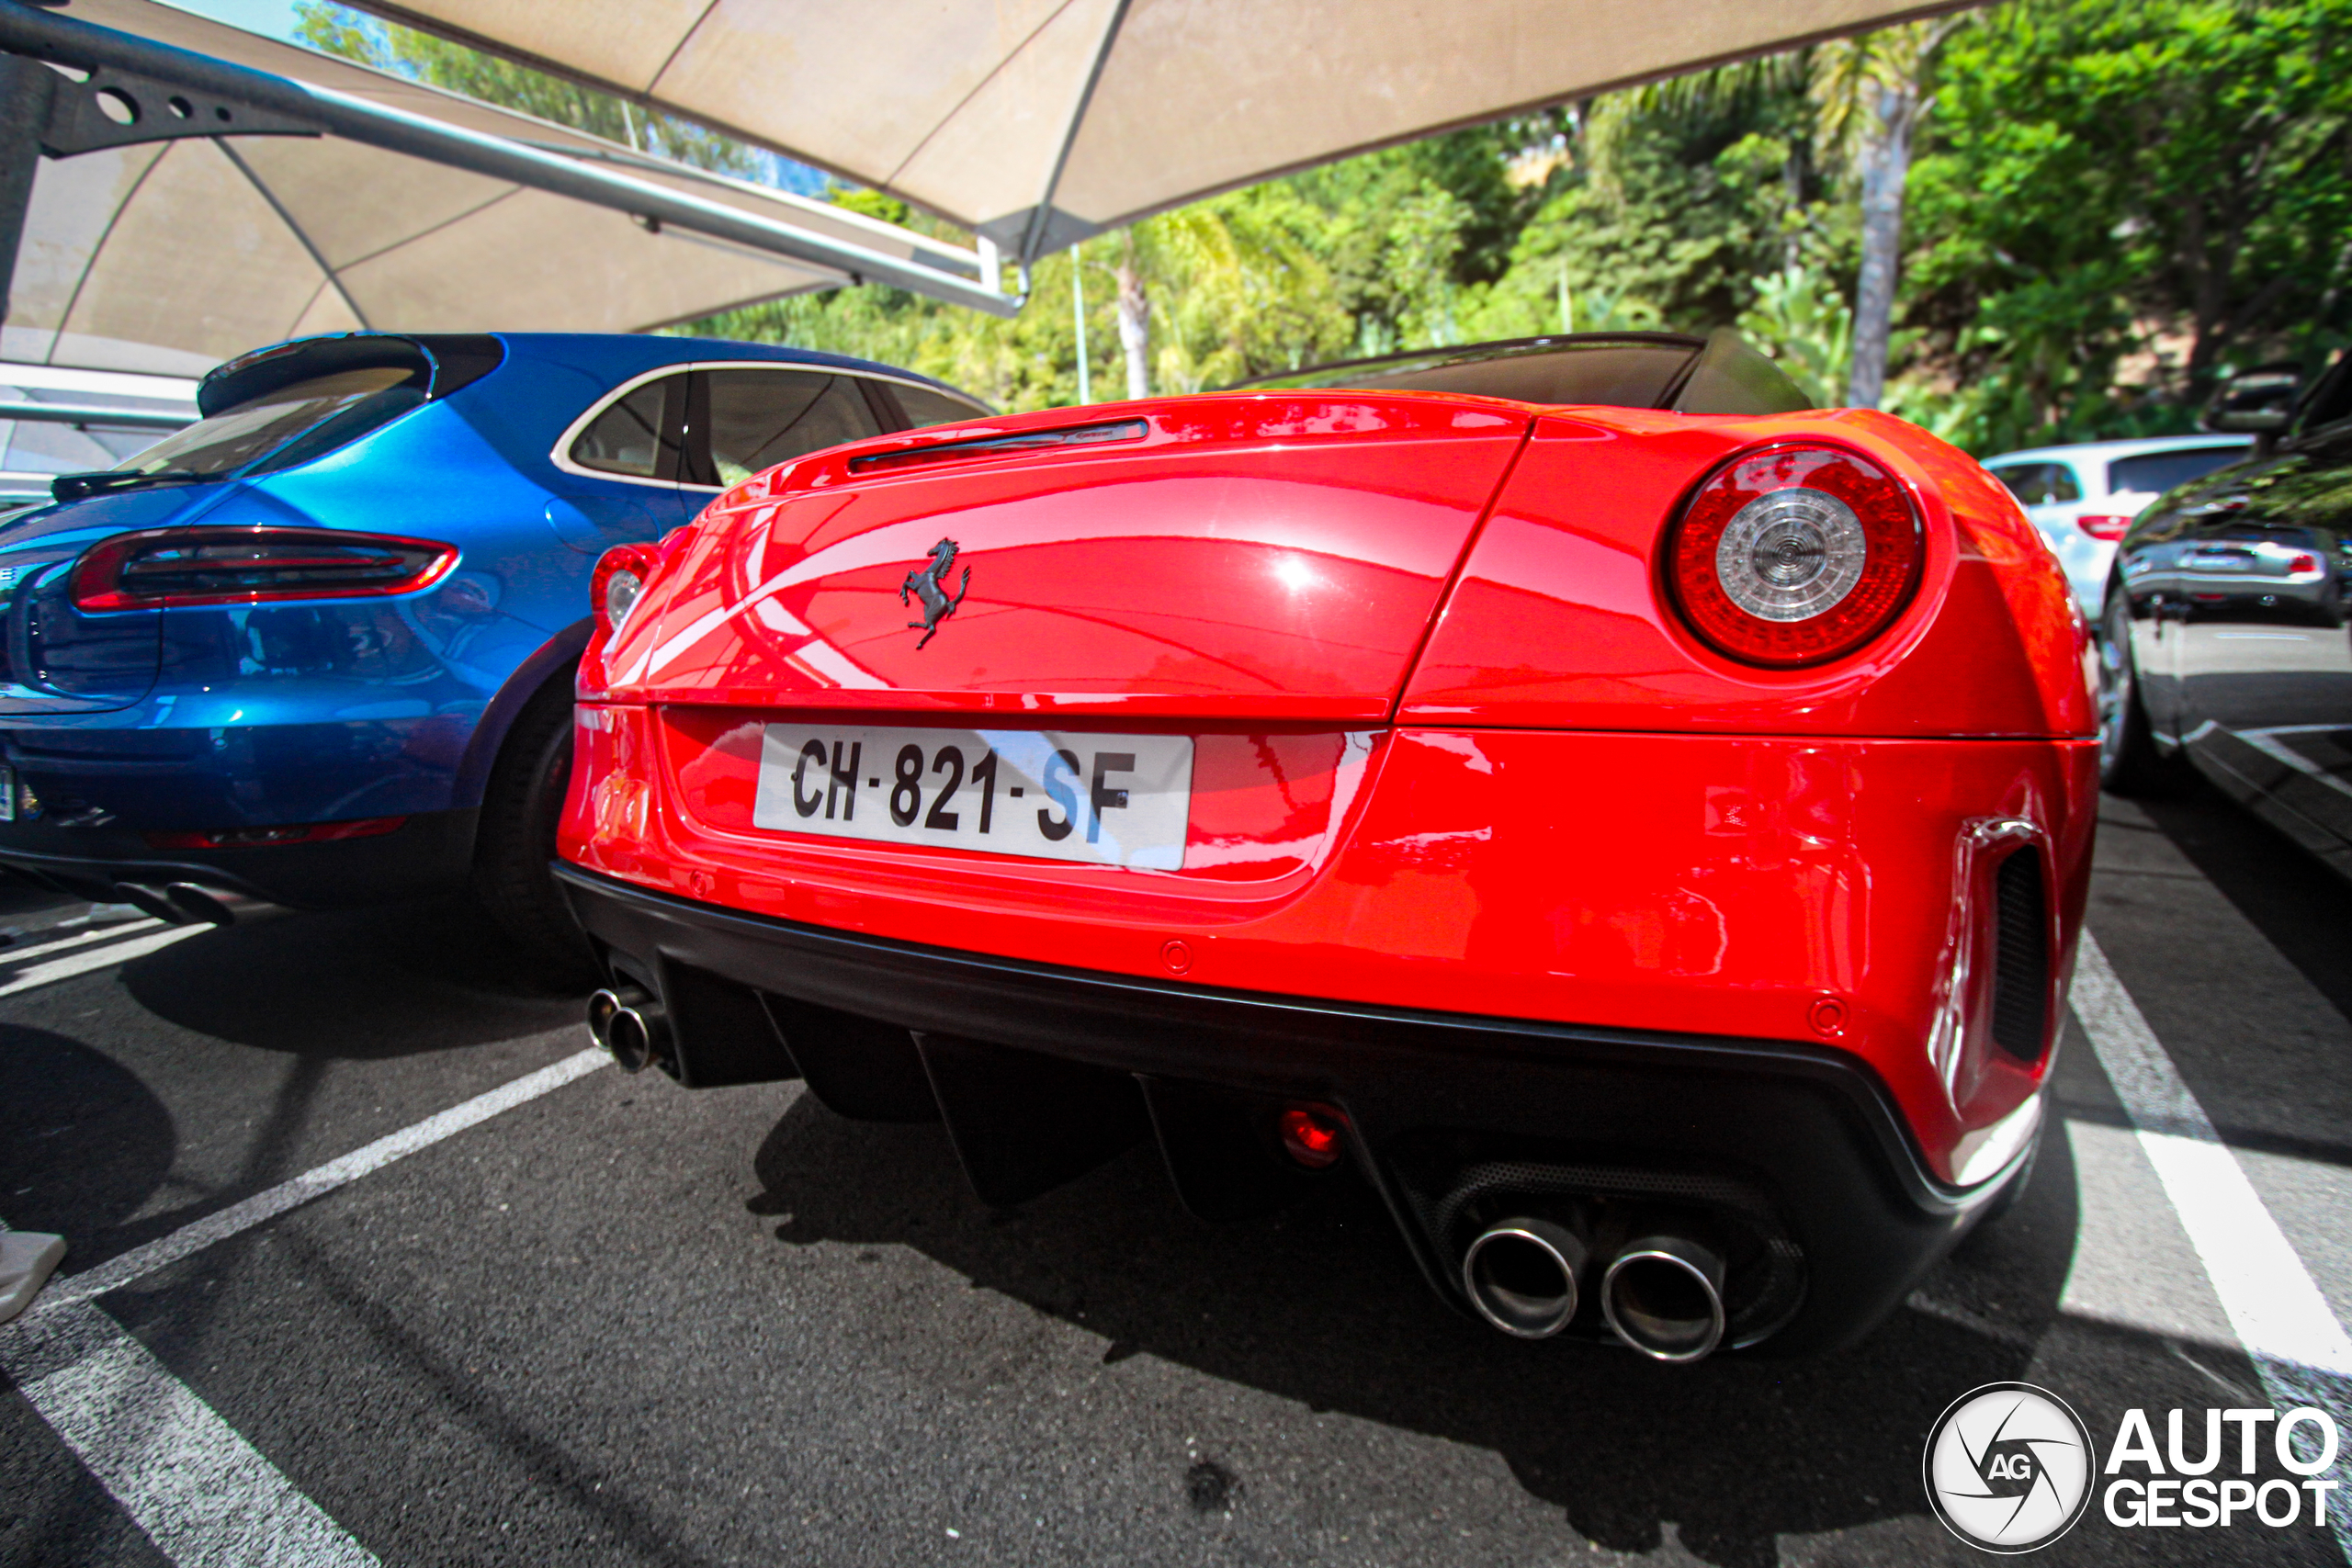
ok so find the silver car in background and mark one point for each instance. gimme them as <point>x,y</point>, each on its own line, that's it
<point>2083,497</point>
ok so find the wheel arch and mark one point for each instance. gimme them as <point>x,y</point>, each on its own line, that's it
<point>555,660</point>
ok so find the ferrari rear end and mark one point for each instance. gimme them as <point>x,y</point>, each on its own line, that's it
<point>1643,832</point>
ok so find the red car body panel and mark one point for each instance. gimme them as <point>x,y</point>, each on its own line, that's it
<point>1249,558</point>
<point>1455,749</point>
<point>1559,620</point>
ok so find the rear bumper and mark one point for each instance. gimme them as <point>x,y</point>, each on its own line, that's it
<point>1841,894</point>
<point>1034,1067</point>
<point>429,853</point>
<point>161,768</point>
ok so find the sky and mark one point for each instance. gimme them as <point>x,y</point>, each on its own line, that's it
<point>274,19</point>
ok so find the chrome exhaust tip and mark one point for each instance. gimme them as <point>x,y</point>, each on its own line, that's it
<point>1664,1295</point>
<point>1521,1276</point>
<point>199,904</point>
<point>630,1024</point>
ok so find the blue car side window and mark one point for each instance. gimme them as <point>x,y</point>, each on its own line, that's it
<point>638,436</point>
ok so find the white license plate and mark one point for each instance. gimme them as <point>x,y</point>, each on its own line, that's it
<point>1108,799</point>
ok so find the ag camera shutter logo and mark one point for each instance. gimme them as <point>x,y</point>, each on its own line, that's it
<point>2008,1467</point>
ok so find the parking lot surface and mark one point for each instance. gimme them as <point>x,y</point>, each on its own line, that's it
<point>517,1307</point>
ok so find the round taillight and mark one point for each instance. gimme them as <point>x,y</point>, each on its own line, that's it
<point>1794,555</point>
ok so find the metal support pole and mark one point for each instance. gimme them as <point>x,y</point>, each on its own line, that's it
<point>24,88</point>
<point>1077,313</point>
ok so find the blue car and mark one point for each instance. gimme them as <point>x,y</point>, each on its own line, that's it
<point>317,649</point>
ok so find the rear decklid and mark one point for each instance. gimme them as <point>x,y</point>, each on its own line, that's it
<point>1265,556</point>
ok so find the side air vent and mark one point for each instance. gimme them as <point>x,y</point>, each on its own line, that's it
<point>2021,970</point>
<point>997,445</point>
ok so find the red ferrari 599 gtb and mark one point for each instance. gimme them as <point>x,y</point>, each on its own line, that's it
<point>1637,822</point>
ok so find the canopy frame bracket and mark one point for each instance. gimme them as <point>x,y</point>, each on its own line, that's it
<point>88,116</point>
<point>30,38</point>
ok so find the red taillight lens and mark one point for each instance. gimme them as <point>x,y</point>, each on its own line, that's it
<point>250,565</point>
<point>1312,1135</point>
<point>622,573</point>
<point>2105,527</point>
<point>1794,555</point>
<point>2303,563</point>
<point>248,838</point>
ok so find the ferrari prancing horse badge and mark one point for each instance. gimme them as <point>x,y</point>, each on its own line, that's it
<point>930,584</point>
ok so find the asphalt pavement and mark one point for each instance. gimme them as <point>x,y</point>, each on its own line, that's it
<point>369,1263</point>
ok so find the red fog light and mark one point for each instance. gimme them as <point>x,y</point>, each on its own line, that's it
<point>1313,1134</point>
<point>1794,555</point>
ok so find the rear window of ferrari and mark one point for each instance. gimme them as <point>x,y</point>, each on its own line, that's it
<point>1720,374</point>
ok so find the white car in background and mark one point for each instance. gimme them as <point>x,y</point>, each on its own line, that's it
<point>2083,497</point>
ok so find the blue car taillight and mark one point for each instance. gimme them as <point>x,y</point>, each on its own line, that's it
<point>252,564</point>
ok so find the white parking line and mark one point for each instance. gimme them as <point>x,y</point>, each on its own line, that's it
<point>2282,1319</point>
<point>117,1273</point>
<point>82,963</point>
<point>205,1496</point>
<point>80,939</point>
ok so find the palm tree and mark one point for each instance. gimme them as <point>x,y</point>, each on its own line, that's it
<point>1134,317</point>
<point>1870,95</point>
<point>1214,272</point>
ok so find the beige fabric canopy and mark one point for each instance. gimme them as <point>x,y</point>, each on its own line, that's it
<point>1037,122</point>
<point>167,257</point>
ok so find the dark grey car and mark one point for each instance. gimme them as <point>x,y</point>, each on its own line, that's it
<point>2224,640</point>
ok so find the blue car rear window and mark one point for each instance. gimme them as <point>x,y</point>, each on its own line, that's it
<point>287,425</point>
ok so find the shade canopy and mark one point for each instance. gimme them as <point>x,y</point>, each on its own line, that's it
<point>1037,122</point>
<point>166,258</point>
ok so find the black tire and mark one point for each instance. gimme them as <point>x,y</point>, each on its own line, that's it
<point>514,839</point>
<point>2129,760</point>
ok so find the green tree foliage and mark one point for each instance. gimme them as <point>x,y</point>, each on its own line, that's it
<point>1808,326</point>
<point>2116,176</point>
<point>1667,218</point>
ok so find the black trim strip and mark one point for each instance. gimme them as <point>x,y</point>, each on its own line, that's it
<point>992,446</point>
<point>1264,1040</point>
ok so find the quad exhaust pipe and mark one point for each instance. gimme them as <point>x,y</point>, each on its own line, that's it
<point>1521,1276</point>
<point>1662,1294</point>
<point>630,1023</point>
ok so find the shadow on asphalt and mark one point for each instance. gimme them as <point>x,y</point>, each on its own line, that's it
<point>1321,1305</point>
<point>82,1142</point>
<point>355,983</point>
<point>18,897</point>
<point>2302,907</point>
